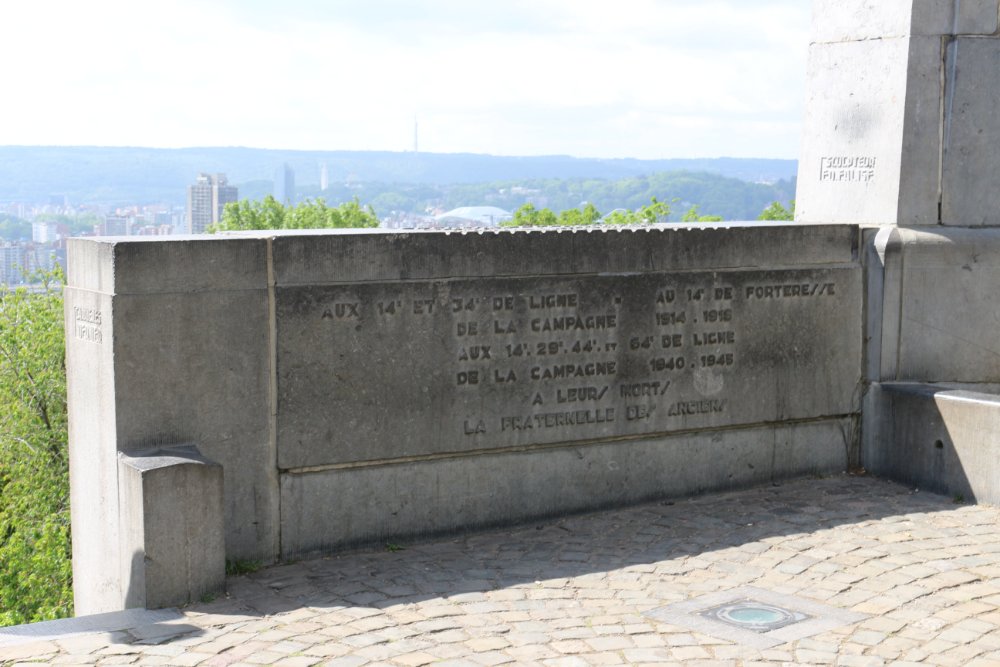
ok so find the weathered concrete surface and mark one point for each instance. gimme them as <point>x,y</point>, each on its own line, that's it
<point>342,508</point>
<point>167,342</point>
<point>381,371</point>
<point>173,532</point>
<point>467,361</point>
<point>942,438</point>
<point>941,295</point>
<point>972,133</point>
<point>899,127</point>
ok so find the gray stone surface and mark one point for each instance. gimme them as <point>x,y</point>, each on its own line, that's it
<point>937,437</point>
<point>898,126</point>
<point>93,456</point>
<point>941,295</point>
<point>64,628</point>
<point>321,357</point>
<point>871,141</point>
<point>856,20</point>
<point>187,362</point>
<point>379,371</point>
<point>972,133</point>
<point>173,536</point>
<point>373,505</point>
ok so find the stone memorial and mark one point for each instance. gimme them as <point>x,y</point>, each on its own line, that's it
<point>357,388</point>
<point>304,392</point>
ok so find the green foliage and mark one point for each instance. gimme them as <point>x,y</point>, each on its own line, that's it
<point>35,570</point>
<point>775,211</point>
<point>238,567</point>
<point>692,215</point>
<point>529,216</point>
<point>272,214</point>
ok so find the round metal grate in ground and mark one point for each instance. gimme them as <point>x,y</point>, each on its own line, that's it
<point>754,616</point>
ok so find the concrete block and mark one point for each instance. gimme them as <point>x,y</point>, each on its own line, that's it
<point>326,257</point>
<point>167,341</point>
<point>369,506</point>
<point>858,20</point>
<point>972,133</point>
<point>871,133</point>
<point>93,457</point>
<point>939,438</point>
<point>172,527</point>
<point>377,371</point>
<point>942,293</point>
<point>195,367</point>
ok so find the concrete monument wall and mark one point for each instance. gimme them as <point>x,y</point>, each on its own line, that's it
<point>311,391</point>
<point>900,115</point>
<point>357,388</point>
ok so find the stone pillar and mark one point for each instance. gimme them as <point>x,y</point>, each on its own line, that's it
<point>167,341</point>
<point>901,119</point>
<point>173,537</point>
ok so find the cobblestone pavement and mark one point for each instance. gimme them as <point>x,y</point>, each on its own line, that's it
<point>924,570</point>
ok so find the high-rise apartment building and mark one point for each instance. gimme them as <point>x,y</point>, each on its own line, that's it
<point>206,200</point>
<point>284,185</point>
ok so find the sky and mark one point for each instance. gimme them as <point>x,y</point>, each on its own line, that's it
<point>647,79</point>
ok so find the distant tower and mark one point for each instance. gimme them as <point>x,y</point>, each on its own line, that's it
<point>206,200</point>
<point>416,143</point>
<point>284,185</point>
<point>324,177</point>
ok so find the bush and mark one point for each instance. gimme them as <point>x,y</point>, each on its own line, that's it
<point>35,569</point>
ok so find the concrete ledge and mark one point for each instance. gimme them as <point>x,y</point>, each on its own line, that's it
<point>938,437</point>
<point>115,621</point>
<point>172,516</point>
<point>337,509</point>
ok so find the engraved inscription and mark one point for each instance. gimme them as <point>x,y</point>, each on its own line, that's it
<point>87,324</point>
<point>493,363</point>
<point>847,169</point>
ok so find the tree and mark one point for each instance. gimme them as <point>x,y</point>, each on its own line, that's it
<point>778,212</point>
<point>585,215</point>
<point>35,568</point>
<point>272,214</point>
<point>529,216</point>
<point>693,216</point>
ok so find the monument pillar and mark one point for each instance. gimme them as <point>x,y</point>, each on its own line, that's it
<point>901,119</point>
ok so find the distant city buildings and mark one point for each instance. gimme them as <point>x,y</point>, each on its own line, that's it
<point>207,199</point>
<point>284,185</point>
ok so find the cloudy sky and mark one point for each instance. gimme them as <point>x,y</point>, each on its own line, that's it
<point>589,78</point>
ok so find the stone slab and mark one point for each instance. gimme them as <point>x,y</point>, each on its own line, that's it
<point>857,20</point>
<point>328,257</point>
<point>195,367</point>
<point>871,132</point>
<point>971,134</point>
<point>70,627</point>
<point>937,437</point>
<point>93,457</point>
<point>173,526</point>
<point>942,293</point>
<point>167,341</point>
<point>379,371</point>
<point>335,509</point>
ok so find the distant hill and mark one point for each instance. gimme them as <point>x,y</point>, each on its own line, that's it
<point>152,175</point>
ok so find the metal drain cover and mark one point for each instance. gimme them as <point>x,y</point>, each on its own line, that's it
<point>755,617</point>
